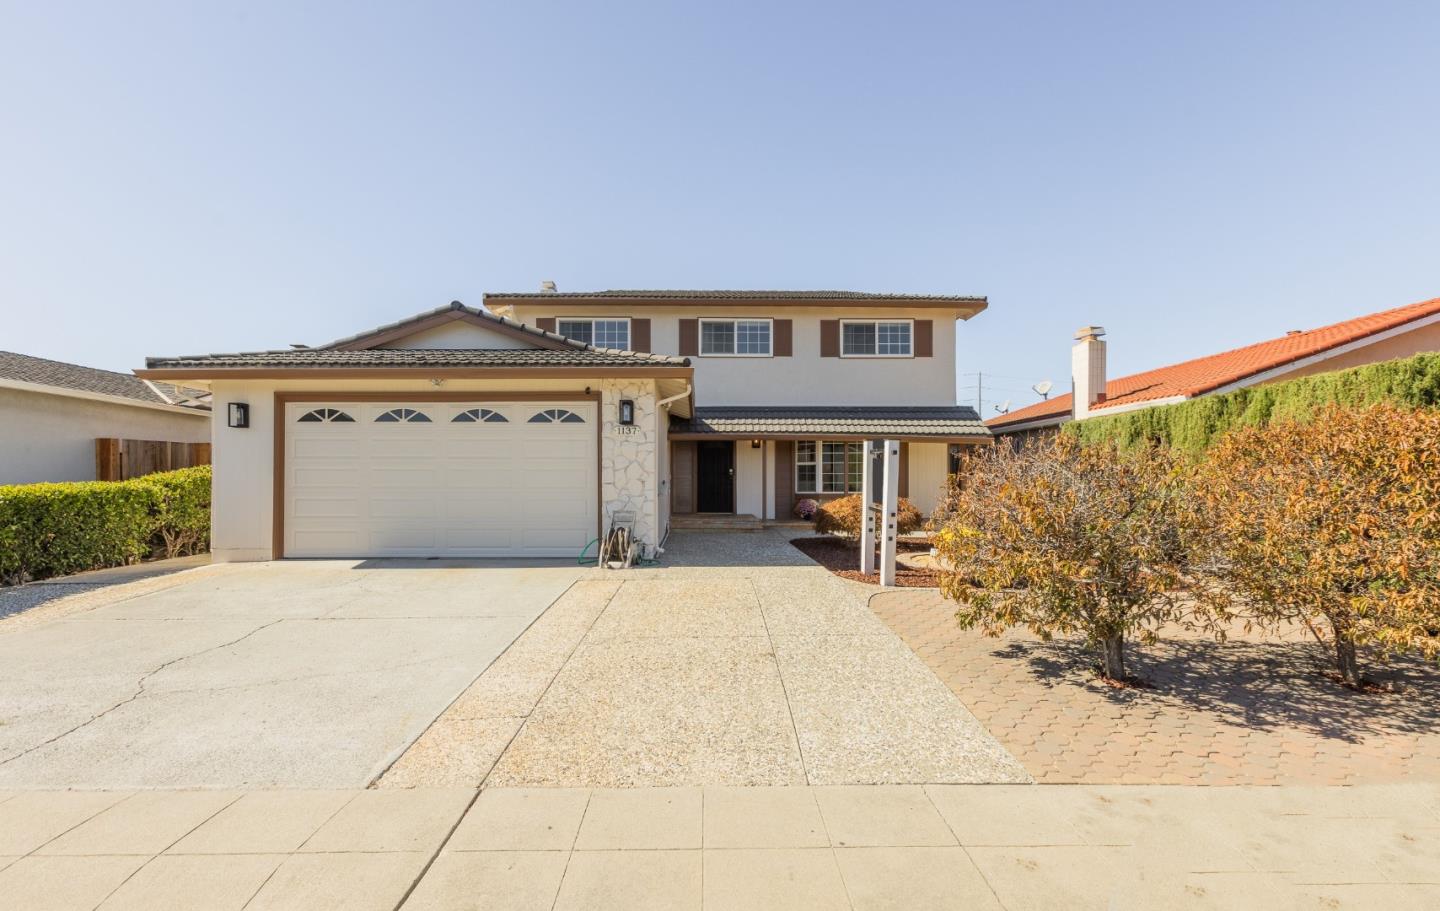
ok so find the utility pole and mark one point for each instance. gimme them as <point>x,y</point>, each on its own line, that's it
<point>980,394</point>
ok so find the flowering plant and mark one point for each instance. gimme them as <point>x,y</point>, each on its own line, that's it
<point>806,509</point>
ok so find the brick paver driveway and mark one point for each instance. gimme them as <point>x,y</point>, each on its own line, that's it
<point>1243,712</point>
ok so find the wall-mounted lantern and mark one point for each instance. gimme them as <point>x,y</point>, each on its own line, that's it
<point>627,412</point>
<point>239,414</point>
<point>754,444</point>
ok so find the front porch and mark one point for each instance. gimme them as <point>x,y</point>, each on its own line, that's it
<point>760,461</point>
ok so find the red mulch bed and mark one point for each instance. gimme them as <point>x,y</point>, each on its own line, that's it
<point>843,559</point>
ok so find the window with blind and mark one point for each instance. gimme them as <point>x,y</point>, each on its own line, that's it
<point>828,467</point>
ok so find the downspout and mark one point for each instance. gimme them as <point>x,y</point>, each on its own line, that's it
<point>665,402</point>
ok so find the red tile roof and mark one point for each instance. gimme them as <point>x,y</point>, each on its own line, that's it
<point>1206,374</point>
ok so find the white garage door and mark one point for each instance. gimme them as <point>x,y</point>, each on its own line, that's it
<point>457,479</point>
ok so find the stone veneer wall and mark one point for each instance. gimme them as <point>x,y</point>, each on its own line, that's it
<point>629,467</point>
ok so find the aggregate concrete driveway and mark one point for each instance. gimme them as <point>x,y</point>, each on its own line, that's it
<point>289,675</point>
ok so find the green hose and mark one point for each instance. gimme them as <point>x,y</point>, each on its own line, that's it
<point>582,559</point>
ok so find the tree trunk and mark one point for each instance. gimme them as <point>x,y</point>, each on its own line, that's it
<point>1346,660</point>
<point>1112,656</point>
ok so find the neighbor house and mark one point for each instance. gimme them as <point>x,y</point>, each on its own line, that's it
<point>522,428</point>
<point>52,413</point>
<point>1382,336</point>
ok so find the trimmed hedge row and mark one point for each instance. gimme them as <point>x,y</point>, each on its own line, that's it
<point>1192,426</point>
<point>56,529</point>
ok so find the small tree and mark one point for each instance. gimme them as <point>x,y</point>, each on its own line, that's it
<point>1334,523</point>
<point>1063,539</point>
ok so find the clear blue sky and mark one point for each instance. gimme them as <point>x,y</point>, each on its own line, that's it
<point>187,177</point>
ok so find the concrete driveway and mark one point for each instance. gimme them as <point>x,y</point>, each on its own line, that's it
<point>296,674</point>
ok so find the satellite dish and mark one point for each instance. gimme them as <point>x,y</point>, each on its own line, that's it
<point>1004,407</point>
<point>1043,388</point>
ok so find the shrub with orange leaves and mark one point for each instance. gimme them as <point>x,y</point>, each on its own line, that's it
<point>1334,523</point>
<point>1064,539</point>
<point>843,516</point>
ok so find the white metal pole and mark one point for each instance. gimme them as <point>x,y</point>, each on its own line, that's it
<point>891,512</point>
<point>867,512</point>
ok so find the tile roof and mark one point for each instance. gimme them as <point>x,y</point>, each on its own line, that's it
<point>584,356</point>
<point>40,371</point>
<point>876,421</point>
<point>1206,374</point>
<point>734,295</point>
<point>457,308</point>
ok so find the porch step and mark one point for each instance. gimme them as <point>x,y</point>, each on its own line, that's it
<point>715,522</point>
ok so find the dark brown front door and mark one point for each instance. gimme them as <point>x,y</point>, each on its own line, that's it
<point>715,476</point>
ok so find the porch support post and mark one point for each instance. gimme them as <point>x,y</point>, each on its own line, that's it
<point>868,488</point>
<point>890,511</point>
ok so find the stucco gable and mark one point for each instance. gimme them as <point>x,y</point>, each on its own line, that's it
<point>459,334</point>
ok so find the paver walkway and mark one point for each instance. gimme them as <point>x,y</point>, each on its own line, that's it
<point>1244,712</point>
<point>850,847</point>
<point>739,661</point>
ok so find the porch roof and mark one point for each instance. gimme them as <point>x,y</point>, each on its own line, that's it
<point>944,422</point>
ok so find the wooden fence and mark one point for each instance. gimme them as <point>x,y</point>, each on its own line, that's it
<point>121,460</point>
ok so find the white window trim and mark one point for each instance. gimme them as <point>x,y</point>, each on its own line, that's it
<point>733,320</point>
<point>876,323</point>
<point>819,464</point>
<point>629,329</point>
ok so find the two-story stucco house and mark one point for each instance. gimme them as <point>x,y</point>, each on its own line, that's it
<point>521,428</point>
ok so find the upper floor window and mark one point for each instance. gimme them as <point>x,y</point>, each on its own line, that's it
<point>602,333</point>
<point>876,338</point>
<point>735,337</point>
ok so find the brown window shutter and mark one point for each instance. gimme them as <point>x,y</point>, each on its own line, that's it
<point>829,338</point>
<point>689,337</point>
<point>546,323</point>
<point>640,335</point>
<point>784,338</point>
<point>924,338</point>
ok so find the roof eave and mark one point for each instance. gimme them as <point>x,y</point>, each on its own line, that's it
<point>964,307</point>
<point>67,392</point>
<point>198,373</point>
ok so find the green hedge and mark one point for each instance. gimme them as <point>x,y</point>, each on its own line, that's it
<point>56,529</point>
<point>1192,426</point>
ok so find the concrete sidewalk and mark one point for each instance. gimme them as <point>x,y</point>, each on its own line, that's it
<point>843,847</point>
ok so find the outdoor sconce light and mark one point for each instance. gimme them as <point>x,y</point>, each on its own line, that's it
<point>754,444</point>
<point>627,411</point>
<point>239,413</point>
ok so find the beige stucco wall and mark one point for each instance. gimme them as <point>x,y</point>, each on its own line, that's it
<point>929,465</point>
<point>806,378</point>
<point>459,334</point>
<point>1416,341</point>
<point>242,517</point>
<point>52,437</point>
<point>749,479</point>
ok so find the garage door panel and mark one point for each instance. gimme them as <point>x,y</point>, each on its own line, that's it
<point>332,541</point>
<point>339,446</point>
<point>440,488</point>
<point>319,477</point>
<point>327,507</point>
<point>402,538</point>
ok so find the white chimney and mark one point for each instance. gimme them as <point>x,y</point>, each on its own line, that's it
<point>1087,371</point>
<point>548,286</point>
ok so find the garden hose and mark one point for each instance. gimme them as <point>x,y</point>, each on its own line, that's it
<point>581,560</point>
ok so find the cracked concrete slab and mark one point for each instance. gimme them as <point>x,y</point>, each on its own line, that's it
<point>265,675</point>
